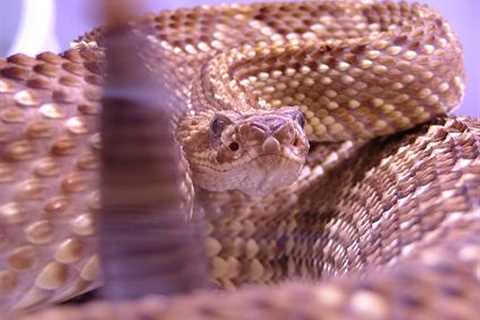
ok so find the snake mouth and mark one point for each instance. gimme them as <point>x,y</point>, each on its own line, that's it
<point>268,172</point>
<point>276,159</point>
<point>256,176</point>
<point>284,153</point>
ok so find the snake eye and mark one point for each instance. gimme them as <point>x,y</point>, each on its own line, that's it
<point>301,119</point>
<point>219,123</point>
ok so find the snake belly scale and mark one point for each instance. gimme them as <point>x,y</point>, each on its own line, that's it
<point>315,90</point>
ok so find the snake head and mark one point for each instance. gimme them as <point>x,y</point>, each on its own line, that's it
<point>254,152</point>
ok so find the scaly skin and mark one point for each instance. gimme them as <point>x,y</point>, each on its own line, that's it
<point>414,239</point>
<point>399,201</point>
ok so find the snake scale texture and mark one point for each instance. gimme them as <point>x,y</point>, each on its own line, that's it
<point>381,222</point>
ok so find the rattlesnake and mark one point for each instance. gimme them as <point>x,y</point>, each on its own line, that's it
<point>365,196</point>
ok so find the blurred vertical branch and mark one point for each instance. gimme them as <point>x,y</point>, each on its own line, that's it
<point>146,245</point>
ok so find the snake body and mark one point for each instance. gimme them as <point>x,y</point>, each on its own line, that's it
<point>369,196</point>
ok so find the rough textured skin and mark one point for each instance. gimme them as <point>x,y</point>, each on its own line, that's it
<point>406,204</point>
<point>414,240</point>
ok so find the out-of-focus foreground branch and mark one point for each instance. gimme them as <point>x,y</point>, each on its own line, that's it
<point>146,246</point>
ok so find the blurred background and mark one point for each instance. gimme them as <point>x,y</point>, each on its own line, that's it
<point>32,26</point>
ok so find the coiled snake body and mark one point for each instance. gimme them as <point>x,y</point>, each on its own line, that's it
<point>264,83</point>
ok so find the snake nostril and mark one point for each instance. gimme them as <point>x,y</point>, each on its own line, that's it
<point>285,134</point>
<point>234,146</point>
<point>296,142</point>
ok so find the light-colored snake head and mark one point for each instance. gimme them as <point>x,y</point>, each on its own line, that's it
<point>254,152</point>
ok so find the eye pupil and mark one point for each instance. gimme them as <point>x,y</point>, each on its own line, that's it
<point>234,146</point>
